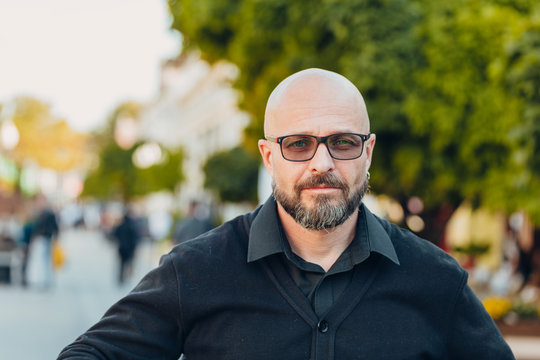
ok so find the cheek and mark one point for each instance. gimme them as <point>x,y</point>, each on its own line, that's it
<point>355,174</point>
<point>286,175</point>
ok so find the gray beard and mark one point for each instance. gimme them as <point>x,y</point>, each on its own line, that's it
<point>326,213</point>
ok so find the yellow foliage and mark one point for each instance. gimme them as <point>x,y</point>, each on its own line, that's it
<point>46,139</point>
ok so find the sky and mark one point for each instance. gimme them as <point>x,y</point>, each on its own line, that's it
<point>84,57</point>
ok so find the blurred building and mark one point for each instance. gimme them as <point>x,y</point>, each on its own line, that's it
<point>196,110</point>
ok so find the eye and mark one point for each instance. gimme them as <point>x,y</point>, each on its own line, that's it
<point>297,143</point>
<point>345,141</point>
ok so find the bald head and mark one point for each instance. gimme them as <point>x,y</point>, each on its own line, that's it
<point>308,91</point>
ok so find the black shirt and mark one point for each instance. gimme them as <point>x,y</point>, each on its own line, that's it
<point>206,301</point>
<point>320,287</point>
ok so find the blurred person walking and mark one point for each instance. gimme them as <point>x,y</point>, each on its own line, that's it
<point>27,234</point>
<point>126,235</point>
<point>41,235</point>
<point>196,222</point>
<point>10,228</point>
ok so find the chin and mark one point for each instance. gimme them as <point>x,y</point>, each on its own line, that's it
<point>312,201</point>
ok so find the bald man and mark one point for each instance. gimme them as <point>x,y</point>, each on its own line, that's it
<point>310,274</point>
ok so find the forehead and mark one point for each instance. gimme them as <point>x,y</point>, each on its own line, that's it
<point>317,106</point>
<point>318,119</point>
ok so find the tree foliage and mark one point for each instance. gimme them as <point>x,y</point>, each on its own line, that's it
<point>464,111</point>
<point>520,72</point>
<point>116,175</point>
<point>452,88</point>
<point>232,175</point>
<point>369,41</point>
<point>45,138</point>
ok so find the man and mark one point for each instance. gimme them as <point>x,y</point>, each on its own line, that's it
<point>310,275</point>
<point>126,236</point>
<point>45,232</point>
<point>193,225</point>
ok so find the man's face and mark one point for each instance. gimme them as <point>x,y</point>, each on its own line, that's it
<point>320,193</point>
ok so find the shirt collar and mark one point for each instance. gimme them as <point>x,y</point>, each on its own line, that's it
<point>378,238</point>
<point>264,235</point>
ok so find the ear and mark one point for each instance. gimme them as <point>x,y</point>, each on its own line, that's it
<point>266,154</point>
<point>368,148</point>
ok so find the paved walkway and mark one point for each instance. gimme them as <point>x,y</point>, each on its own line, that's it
<point>524,347</point>
<point>37,324</point>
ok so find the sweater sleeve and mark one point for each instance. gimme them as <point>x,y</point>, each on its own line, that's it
<point>473,333</point>
<point>144,324</point>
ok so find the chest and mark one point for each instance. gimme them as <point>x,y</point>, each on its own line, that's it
<point>266,316</point>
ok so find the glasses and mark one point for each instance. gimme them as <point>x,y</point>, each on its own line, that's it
<point>341,146</point>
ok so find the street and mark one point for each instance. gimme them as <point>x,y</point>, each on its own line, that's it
<point>36,324</point>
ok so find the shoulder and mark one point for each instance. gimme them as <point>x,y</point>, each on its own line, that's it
<point>425,272</point>
<point>221,244</point>
<point>418,254</point>
<point>206,264</point>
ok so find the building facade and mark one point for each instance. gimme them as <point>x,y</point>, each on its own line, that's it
<point>196,110</point>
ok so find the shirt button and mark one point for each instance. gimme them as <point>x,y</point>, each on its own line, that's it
<point>323,326</point>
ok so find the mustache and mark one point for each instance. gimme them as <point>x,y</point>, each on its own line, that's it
<point>327,179</point>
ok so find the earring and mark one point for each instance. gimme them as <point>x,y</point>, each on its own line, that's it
<point>368,175</point>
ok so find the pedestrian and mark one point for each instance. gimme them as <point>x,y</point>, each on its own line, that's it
<point>193,225</point>
<point>27,234</point>
<point>127,237</point>
<point>310,274</point>
<point>10,229</point>
<point>43,232</point>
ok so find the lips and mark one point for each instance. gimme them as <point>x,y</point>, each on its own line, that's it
<point>323,186</point>
<point>322,190</point>
<point>324,181</point>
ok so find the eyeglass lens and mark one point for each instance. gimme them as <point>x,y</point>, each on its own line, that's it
<point>340,146</point>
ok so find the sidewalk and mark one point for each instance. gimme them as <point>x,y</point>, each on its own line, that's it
<point>525,347</point>
<point>37,324</point>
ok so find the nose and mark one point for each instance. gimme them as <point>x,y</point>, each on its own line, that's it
<point>322,161</point>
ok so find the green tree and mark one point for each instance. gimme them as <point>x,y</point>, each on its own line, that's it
<point>232,175</point>
<point>461,112</point>
<point>116,175</point>
<point>520,72</point>
<point>371,42</point>
<point>447,84</point>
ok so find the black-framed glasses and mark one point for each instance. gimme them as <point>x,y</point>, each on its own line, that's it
<point>300,147</point>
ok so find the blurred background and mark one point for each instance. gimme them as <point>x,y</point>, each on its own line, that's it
<point>128,126</point>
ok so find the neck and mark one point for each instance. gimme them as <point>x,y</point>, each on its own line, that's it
<point>321,247</point>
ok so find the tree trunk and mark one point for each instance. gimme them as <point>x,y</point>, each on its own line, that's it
<point>435,224</point>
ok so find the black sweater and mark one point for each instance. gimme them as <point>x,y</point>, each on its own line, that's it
<point>207,301</point>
